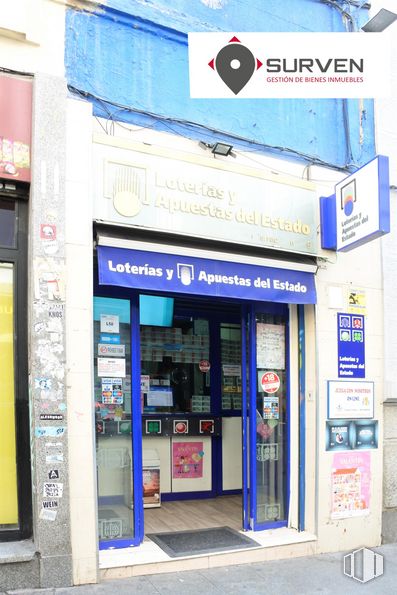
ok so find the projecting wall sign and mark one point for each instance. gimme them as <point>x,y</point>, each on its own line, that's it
<point>359,211</point>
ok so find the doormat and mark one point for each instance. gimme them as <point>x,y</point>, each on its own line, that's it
<point>201,541</point>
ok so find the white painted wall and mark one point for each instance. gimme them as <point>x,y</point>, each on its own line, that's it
<point>32,36</point>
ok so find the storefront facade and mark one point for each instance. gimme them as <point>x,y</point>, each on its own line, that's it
<point>179,423</point>
<point>209,322</point>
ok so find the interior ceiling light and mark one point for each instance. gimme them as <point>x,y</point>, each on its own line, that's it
<point>222,149</point>
<point>380,21</point>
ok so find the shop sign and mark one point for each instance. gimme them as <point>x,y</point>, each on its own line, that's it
<point>359,211</point>
<point>201,276</point>
<point>350,399</point>
<point>201,197</point>
<point>351,346</point>
<point>15,127</point>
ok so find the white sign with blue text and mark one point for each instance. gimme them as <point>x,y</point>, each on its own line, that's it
<point>200,276</point>
<point>359,211</point>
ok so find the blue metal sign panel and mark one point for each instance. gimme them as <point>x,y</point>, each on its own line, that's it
<point>199,276</point>
<point>351,346</point>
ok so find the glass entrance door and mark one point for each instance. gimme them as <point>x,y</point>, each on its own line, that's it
<point>269,416</point>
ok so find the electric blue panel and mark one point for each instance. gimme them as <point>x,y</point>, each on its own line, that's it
<point>156,310</point>
<point>328,222</point>
<point>202,276</point>
<point>131,57</point>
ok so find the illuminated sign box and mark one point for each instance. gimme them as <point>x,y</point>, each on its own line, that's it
<point>359,211</point>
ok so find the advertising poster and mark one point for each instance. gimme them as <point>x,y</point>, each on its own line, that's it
<point>339,435</point>
<point>350,399</point>
<point>346,434</point>
<point>187,460</point>
<point>350,484</point>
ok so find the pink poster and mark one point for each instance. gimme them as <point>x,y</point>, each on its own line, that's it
<point>187,460</point>
<point>351,491</point>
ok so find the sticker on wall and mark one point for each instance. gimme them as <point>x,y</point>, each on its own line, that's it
<point>50,504</point>
<point>53,452</point>
<point>351,346</point>
<point>53,490</point>
<point>350,484</point>
<point>48,515</point>
<point>270,407</point>
<point>269,382</point>
<point>50,431</point>
<point>48,280</point>
<point>187,460</point>
<point>48,231</point>
<point>56,311</point>
<point>53,474</point>
<point>357,302</point>
<point>51,417</point>
<point>109,323</point>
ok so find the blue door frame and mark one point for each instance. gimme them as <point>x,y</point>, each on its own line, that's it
<point>249,492</point>
<point>263,308</point>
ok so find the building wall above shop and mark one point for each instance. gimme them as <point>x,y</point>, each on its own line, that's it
<point>131,58</point>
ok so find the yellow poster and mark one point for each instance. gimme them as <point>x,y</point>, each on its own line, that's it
<point>8,472</point>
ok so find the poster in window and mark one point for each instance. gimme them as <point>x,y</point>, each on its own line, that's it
<point>187,460</point>
<point>270,346</point>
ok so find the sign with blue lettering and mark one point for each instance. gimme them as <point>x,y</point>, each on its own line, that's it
<point>200,276</point>
<point>351,346</point>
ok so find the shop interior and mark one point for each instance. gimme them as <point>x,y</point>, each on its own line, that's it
<point>191,419</point>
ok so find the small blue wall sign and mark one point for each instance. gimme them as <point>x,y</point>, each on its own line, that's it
<point>351,346</point>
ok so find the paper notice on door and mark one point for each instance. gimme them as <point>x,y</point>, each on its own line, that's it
<point>270,346</point>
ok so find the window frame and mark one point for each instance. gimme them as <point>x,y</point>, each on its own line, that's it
<point>18,257</point>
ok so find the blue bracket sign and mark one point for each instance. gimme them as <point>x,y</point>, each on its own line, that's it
<point>359,211</point>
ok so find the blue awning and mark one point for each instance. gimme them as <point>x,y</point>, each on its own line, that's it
<point>155,271</point>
